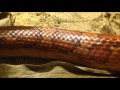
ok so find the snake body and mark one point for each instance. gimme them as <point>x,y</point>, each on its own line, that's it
<point>100,51</point>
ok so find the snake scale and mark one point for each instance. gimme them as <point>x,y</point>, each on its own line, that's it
<point>99,51</point>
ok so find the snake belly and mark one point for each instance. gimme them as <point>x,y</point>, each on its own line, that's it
<point>100,51</point>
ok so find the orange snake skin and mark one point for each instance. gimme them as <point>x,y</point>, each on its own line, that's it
<point>100,51</point>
